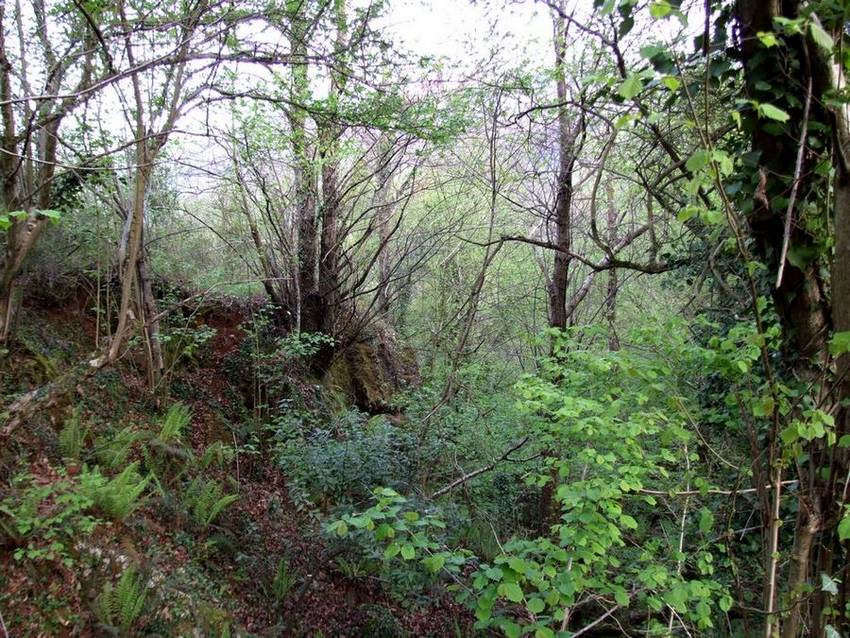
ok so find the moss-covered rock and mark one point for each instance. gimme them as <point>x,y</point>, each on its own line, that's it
<point>372,369</point>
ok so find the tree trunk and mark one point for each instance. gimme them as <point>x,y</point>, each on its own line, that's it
<point>567,152</point>
<point>304,177</point>
<point>149,315</point>
<point>809,305</point>
<point>329,244</point>
<point>613,279</point>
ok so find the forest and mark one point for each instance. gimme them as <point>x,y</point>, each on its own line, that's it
<point>448,318</point>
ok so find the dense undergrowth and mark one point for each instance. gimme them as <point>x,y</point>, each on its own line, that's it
<point>254,499</point>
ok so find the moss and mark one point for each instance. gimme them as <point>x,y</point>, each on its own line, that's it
<point>380,622</point>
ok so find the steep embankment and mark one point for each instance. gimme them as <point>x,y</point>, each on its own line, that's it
<point>211,546</point>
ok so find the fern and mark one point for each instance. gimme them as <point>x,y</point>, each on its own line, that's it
<point>284,580</point>
<point>205,500</point>
<point>121,605</point>
<point>113,452</point>
<point>117,497</point>
<point>72,437</point>
<point>217,453</point>
<point>177,418</point>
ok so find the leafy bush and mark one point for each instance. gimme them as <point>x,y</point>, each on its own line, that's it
<point>342,464</point>
<point>45,521</point>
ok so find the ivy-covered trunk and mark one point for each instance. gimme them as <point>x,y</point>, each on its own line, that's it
<point>790,221</point>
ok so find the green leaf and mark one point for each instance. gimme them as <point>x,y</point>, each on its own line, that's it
<point>706,521</point>
<point>821,37</point>
<point>660,9</point>
<point>392,550</point>
<point>840,343</point>
<point>544,632</point>
<point>621,597</point>
<point>511,591</point>
<point>767,38</point>
<point>671,82</point>
<point>831,632</point>
<point>628,522</point>
<point>763,406</point>
<point>535,605</point>
<point>828,585</point>
<point>341,528</point>
<point>844,528</point>
<point>408,552</point>
<point>698,160</point>
<point>630,87</point>
<point>511,629</point>
<point>434,563</point>
<point>773,112</point>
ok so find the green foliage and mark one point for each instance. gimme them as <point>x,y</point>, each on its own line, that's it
<point>176,419</point>
<point>117,497</point>
<point>45,521</point>
<point>113,451</point>
<point>284,580</point>
<point>205,499</point>
<point>403,533</point>
<point>72,436</point>
<point>120,606</point>
<point>341,463</point>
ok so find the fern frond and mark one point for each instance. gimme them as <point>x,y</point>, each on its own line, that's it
<point>72,437</point>
<point>177,418</point>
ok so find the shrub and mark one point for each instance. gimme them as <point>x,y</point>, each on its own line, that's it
<point>342,464</point>
<point>44,521</point>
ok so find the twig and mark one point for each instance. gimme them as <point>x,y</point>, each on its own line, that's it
<point>798,167</point>
<point>587,628</point>
<point>3,626</point>
<point>713,491</point>
<point>466,477</point>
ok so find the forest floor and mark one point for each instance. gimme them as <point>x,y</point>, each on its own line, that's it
<point>223,580</point>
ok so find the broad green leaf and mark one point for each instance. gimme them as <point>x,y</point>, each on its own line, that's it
<point>821,37</point>
<point>660,9</point>
<point>408,552</point>
<point>434,563</point>
<point>840,343</point>
<point>671,82</point>
<point>844,528</point>
<point>535,605</point>
<point>698,160</point>
<point>767,38</point>
<point>511,629</point>
<point>392,550</point>
<point>773,112</point>
<point>511,591</point>
<point>827,584</point>
<point>706,521</point>
<point>630,87</point>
